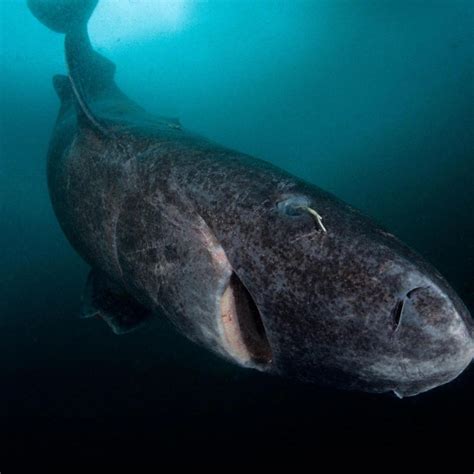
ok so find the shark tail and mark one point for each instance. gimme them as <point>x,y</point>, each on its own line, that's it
<point>90,73</point>
<point>63,16</point>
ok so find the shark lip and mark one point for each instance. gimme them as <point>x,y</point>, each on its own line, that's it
<point>243,333</point>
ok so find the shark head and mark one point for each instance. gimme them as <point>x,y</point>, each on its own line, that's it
<point>318,292</point>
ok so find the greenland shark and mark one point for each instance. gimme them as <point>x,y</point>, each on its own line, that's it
<point>254,264</point>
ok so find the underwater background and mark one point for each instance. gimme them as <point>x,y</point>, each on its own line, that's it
<point>370,100</point>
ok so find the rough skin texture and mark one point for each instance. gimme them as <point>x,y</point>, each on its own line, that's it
<point>168,217</point>
<point>150,206</point>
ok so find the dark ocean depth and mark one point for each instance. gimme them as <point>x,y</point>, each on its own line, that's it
<point>370,100</point>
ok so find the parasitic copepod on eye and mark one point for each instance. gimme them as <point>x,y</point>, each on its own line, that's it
<point>296,206</point>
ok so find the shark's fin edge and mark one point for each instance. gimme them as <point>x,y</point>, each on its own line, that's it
<point>103,297</point>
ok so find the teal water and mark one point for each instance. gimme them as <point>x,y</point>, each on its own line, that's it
<point>371,100</point>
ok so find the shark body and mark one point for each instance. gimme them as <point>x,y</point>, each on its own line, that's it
<point>258,266</point>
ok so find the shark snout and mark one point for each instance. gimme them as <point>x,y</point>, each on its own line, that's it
<point>432,337</point>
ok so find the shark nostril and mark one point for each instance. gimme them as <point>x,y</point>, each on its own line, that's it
<point>397,313</point>
<point>398,309</point>
<point>413,291</point>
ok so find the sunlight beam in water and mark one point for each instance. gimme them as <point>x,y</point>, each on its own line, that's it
<point>115,20</point>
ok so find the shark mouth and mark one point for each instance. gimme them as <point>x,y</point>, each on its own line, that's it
<point>243,332</point>
<point>241,335</point>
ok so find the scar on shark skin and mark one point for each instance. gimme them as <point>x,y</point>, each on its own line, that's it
<point>316,215</point>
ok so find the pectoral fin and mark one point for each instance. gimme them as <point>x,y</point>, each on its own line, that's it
<point>113,304</point>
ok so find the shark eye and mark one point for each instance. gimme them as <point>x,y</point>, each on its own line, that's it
<point>294,206</point>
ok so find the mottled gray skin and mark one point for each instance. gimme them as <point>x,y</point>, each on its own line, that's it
<point>158,211</point>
